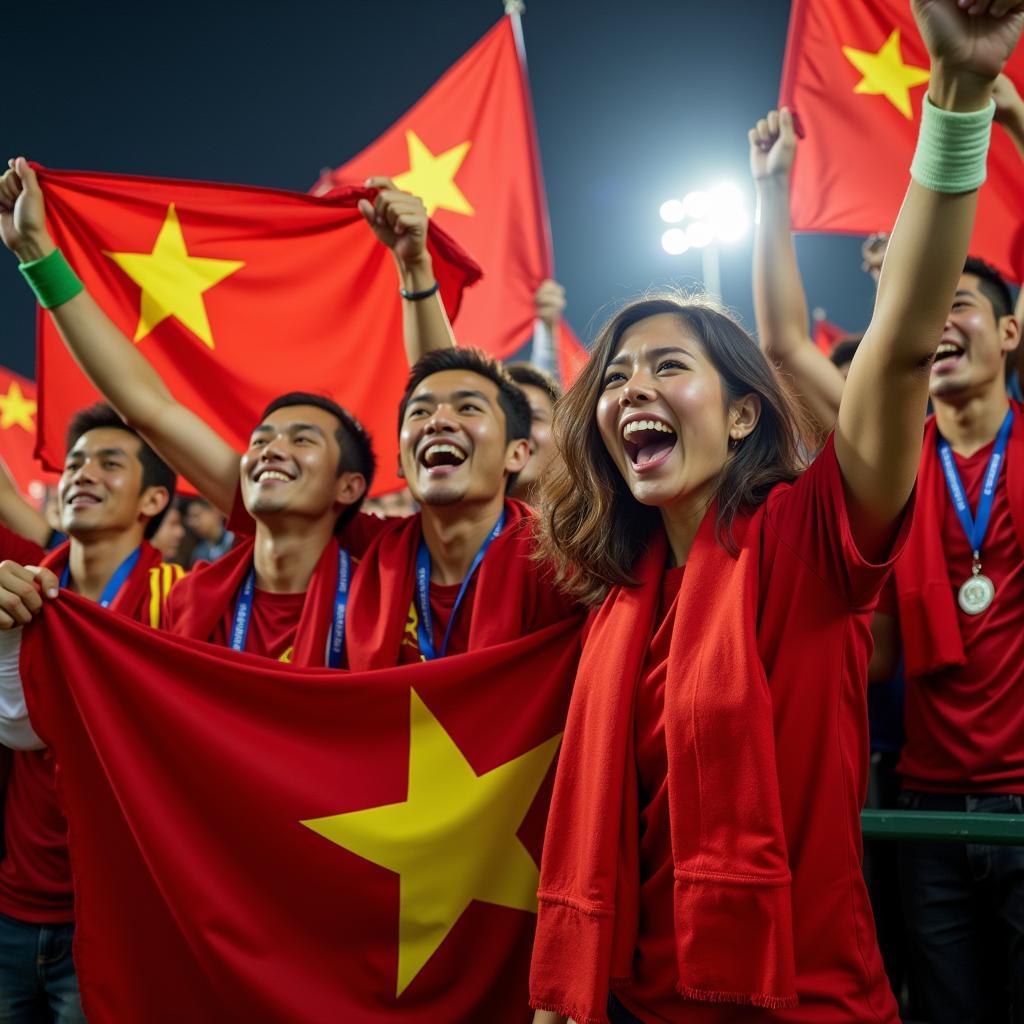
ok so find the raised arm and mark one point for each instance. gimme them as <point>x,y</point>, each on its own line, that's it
<point>1010,111</point>
<point>779,302</point>
<point>18,515</point>
<point>399,220</point>
<point>112,362</point>
<point>881,416</point>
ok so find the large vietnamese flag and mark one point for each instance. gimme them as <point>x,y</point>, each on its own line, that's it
<point>236,295</point>
<point>18,436</point>
<point>260,843</point>
<point>855,74</point>
<point>468,149</point>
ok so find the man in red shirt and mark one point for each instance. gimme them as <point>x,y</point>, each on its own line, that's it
<point>959,596</point>
<point>463,439</point>
<point>112,494</point>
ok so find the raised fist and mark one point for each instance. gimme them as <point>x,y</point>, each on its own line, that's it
<point>398,219</point>
<point>549,302</point>
<point>970,37</point>
<point>23,212</point>
<point>772,145</point>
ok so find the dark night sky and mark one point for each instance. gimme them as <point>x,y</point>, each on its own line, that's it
<point>635,102</point>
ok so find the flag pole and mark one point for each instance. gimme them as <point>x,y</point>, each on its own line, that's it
<point>542,349</point>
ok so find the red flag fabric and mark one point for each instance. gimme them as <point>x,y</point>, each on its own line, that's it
<point>855,75</point>
<point>468,148</point>
<point>827,335</point>
<point>255,842</point>
<point>18,436</point>
<point>236,295</point>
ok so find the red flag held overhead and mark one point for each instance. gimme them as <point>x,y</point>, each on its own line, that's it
<point>855,75</point>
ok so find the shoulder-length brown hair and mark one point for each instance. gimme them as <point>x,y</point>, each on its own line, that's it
<point>592,528</point>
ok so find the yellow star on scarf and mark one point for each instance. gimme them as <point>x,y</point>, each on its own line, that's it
<point>432,178</point>
<point>172,281</point>
<point>16,410</point>
<point>452,840</point>
<point>885,74</point>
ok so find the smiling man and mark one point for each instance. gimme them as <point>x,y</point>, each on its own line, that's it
<point>112,495</point>
<point>958,607</point>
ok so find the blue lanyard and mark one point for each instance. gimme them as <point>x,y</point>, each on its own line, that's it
<point>111,590</point>
<point>425,627</point>
<point>975,529</point>
<point>336,637</point>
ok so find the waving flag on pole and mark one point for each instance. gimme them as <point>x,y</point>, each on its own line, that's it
<point>855,75</point>
<point>236,295</point>
<point>468,149</point>
<point>18,436</point>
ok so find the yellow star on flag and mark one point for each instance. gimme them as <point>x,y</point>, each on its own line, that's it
<point>453,840</point>
<point>172,281</point>
<point>16,410</point>
<point>432,178</point>
<point>885,74</point>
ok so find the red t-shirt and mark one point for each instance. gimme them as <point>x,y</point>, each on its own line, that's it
<point>965,728</point>
<point>442,603</point>
<point>816,597</point>
<point>35,873</point>
<point>273,622</point>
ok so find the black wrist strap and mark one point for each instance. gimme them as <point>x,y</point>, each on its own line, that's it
<point>419,296</point>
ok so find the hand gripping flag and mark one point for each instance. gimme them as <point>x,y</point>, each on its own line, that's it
<point>855,75</point>
<point>468,149</point>
<point>236,295</point>
<point>252,842</point>
<point>18,436</point>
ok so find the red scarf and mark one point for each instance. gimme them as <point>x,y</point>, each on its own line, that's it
<point>733,914</point>
<point>202,599</point>
<point>136,594</point>
<point>512,597</point>
<point>929,625</point>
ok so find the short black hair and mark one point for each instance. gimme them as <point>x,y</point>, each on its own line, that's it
<point>155,472</point>
<point>356,447</point>
<point>845,349</point>
<point>513,403</point>
<point>992,285</point>
<point>527,373</point>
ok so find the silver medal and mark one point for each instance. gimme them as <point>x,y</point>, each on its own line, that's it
<point>976,593</point>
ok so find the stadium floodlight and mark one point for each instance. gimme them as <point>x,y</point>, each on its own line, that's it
<point>672,211</point>
<point>675,242</point>
<point>705,218</point>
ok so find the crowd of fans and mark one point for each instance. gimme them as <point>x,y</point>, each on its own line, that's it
<point>768,560</point>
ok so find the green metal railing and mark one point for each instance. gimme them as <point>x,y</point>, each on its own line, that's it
<point>944,827</point>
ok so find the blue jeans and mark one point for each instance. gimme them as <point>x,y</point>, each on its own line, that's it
<point>964,907</point>
<point>37,978</point>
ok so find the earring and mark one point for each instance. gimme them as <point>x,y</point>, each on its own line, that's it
<point>734,443</point>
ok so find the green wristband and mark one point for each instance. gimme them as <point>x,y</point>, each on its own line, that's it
<point>952,148</point>
<point>52,279</point>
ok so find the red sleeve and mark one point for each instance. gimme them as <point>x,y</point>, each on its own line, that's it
<point>887,602</point>
<point>810,518</point>
<point>16,548</point>
<point>355,536</point>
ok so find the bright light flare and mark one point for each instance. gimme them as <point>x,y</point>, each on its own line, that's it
<point>675,242</point>
<point>727,213</point>
<point>700,233</point>
<point>672,211</point>
<point>696,205</point>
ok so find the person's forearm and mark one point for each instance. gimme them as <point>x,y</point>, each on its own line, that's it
<point>16,730</point>
<point>424,321</point>
<point>548,1017</point>
<point>1013,125</point>
<point>780,306</point>
<point>18,515</point>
